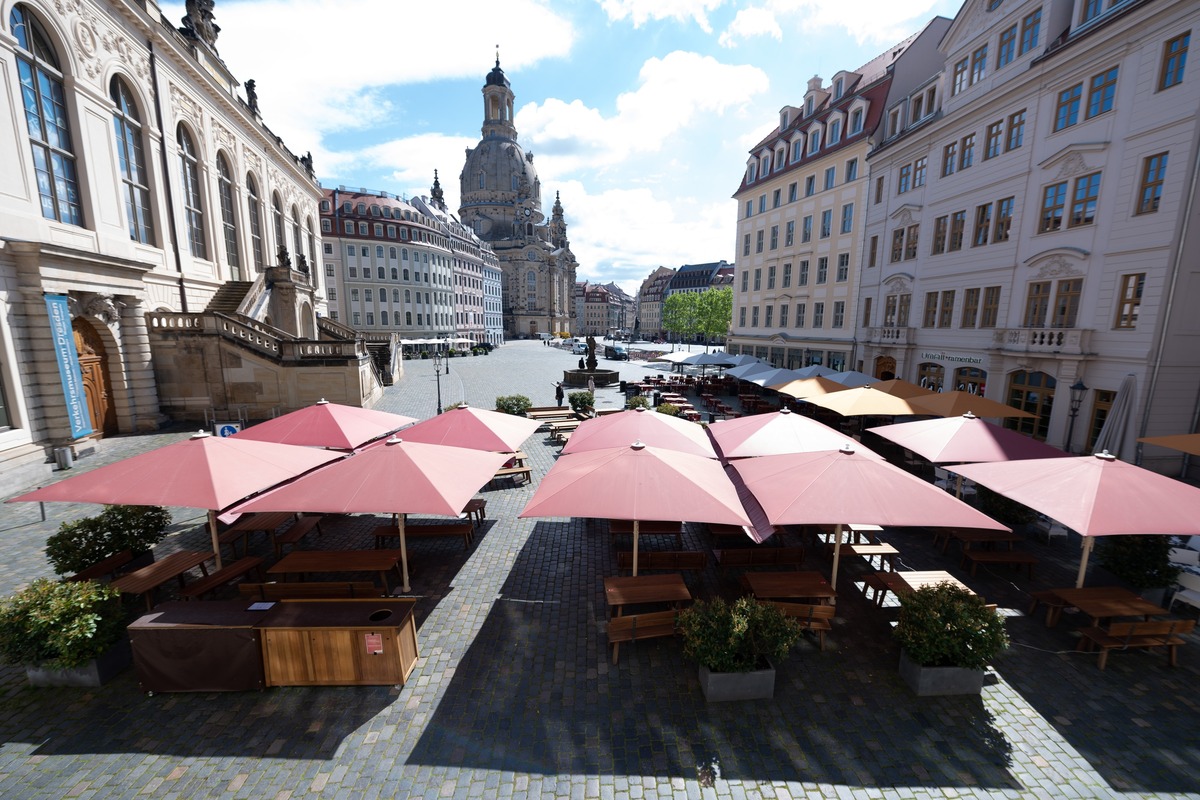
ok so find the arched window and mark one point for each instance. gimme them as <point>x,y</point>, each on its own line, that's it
<point>46,119</point>
<point>131,160</point>
<point>932,376</point>
<point>297,241</point>
<point>405,274</point>
<point>277,221</point>
<point>407,296</point>
<point>531,289</point>
<point>189,176</point>
<point>1032,392</point>
<point>383,318</point>
<point>395,274</point>
<point>228,221</point>
<point>408,318</point>
<point>482,179</point>
<point>379,251</point>
<point>396,296</point>
<point>254,204</point>
<point>970,379</point>
<point>392,253</point>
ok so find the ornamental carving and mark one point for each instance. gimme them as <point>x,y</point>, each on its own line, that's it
<point>101,307</point>
<point>1074,165</point>
<point>898,284</point>
<point>251,160</point>
<point>129,53</point>
<point>185,107</point>
<point>905,217</point>
<point>1057,266</point>
<point>222,137</point>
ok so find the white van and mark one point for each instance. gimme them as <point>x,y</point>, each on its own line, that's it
<point>579,348</point>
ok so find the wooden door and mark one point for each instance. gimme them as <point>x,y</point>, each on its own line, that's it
<point>93,363</point>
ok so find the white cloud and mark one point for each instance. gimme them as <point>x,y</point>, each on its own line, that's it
<point>410,162</point>
<point>879,22</point>
<point>642,11</point>
<point>750,23</point>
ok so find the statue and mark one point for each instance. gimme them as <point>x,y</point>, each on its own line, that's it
<point>302,263</point>
<point>591,353</point>
<point>252,96</point>
<point>198,24</point>
<point>282,257</point>
<point>306,162</point>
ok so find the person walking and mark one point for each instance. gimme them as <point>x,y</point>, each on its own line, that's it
<point>592,387</point>
<point>558,393</point>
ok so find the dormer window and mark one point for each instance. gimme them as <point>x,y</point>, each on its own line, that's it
<point>835,131</point>
<point>765,165</point>
<point>751,172</point>
<point>856,121</point>
<point>893,127</point>
<point>324,206</point>
<point>814,141</point>
<point>780,157</point>
<point>808,106</point>
<point>837,89</point>
<point>784,120</point>
<point>797,150</point>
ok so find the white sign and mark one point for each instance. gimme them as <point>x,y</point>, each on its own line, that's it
<point>224,429</point>
<point>953,358</point>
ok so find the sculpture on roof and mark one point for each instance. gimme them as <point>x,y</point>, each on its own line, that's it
<point>198,24</point>
<point>252,95</point>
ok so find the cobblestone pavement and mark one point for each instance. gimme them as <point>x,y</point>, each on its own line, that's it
<point>515,694</point>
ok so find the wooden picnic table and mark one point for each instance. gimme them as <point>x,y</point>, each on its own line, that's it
<point>304,562</point>
<point>886,552</point>
<point>647,527</point>
<point>790,586</point>
<point>970,537</point>
<point>145,580</point>
<point>1102,602</point>
<point>622,591</point>
<point>265,522</point>
<point>900,583</point>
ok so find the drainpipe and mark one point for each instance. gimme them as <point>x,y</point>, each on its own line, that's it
<point>169,228</point>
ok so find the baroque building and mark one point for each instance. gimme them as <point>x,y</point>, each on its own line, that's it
<point>648,323</point>
<point>501,201</point>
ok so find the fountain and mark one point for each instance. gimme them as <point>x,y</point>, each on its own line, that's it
<point>601,377</point>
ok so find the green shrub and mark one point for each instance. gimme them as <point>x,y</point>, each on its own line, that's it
<point>1141,561</point>
<point>515,404</point>
<point>83,542</point>
<point>948,626</point>
<point>581,401</point>
<point>737,637</point>
<point>668,408</point>
<point>637,401</point>
<point>60,624</point>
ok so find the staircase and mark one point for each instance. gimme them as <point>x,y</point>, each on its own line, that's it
<point>229,297</point>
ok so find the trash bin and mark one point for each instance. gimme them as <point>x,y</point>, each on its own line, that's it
<point>657,399</point>
<point>622,384</point>
<point>64,458</point>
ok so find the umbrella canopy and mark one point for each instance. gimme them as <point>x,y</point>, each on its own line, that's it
<point>326,424</point>
<point>201,472</point>
<point>865,401</point>
<point>816,371</point>
<point>955,404</point>
<point>956,440</point>
<point>710,360</point>
<point>901,388</point>
<point>771,376</point>
<point>637,482</point>
<point>1095,496</point>
<point>397,477</point>
<point>640,425</point>
<point>849,487</point>
<point>675,358</point>
<point>852,378</point>
<point>778,433</point>
<point>746,370</point>
<point>742,359</point>
<point>1184,442</point>
<point>807,387</point>
<point>475,429</point>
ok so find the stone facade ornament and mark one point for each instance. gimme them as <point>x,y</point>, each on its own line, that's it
<point>1074,165</point>
<point>103,307</point>
<point>1057,267</point>
<point>199,24</point>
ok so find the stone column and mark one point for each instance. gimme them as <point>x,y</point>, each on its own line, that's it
<point>140,385</point>
<point>45,405</point>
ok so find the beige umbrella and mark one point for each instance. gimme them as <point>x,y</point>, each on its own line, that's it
<point>867,401</point>
<point>1184,442</point>
<point>955,404</point>
<point>808,387</point>
<point>901,388</point>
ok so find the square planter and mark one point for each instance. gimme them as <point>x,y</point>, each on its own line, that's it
<point>723,686</point>
<point>96,672</point>
<point>938,681</point>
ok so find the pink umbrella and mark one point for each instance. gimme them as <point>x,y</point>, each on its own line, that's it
<point>776,434</point>
<point>201,472</point>
<point>640,425</point>
<point>1095,496</point>
<point>474,428</point>
<point>397,477</point>
<point>956,440</point>
<point>637,482</point>
<point>326,424</point>
<point>848,487</point>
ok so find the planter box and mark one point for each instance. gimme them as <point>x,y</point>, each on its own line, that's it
<point>96,672</point>
<point>722,686</point>
<point>937,681</point>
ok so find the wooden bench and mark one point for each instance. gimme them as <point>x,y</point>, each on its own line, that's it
<point>633,627</point>
<point>298,531</point>
<point>306,590</point>
<point>1050,600</point>
<point>791,556</point>
<point>106,568</point>
<point>514,473</point>
<point>436,529</point>
<point>1014,558</point>
<point>809,617</point>
<point>227,574</point>
<point>674,560</point>
<point>1124,635</point>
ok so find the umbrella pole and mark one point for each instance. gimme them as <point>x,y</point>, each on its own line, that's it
<point>958,488</point>
<point>1087,551</point>
<point>212,531</point>
<point>837,551</point>
<point>635,546</point>
<point>404,587</point>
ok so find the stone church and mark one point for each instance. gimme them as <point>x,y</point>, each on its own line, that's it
<point>501,200</point>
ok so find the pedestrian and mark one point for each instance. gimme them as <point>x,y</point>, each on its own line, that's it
<point>558,393</point>
<point>591,386</point>
<point>581,362</point>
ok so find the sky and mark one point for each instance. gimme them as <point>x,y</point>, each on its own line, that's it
<point>640,113</point>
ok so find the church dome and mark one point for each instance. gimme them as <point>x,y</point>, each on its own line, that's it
<point>496,76</point>
<point>500,160</point>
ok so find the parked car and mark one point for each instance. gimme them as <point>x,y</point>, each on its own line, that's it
<point>617,352</point>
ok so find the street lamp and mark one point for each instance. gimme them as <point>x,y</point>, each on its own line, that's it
<point>437,373</point>
<point>1077,389</point>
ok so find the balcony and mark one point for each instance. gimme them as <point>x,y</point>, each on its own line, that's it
<point>1064,341</point>
<point>891,336</point>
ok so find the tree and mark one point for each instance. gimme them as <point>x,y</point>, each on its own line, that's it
<point>679,314</point>
<point>714,313</point>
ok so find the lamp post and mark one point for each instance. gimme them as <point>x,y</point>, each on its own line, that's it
<point>1077,389</point>
<point>437,374</point>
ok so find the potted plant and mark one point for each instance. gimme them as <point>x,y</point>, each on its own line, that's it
<point>581,402</point>
<point>736,645</point>
<point>1144,562</point>
<point>83,542</point>
<point>637,401</point>
<point>670,409</point>
<point>515,404</point>
<point>947,636</point>
<point>65,633</point>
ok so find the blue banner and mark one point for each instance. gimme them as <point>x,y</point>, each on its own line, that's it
<point>68,365</point>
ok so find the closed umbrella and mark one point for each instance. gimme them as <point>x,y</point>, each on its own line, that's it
<point>474,428</point>
<point>775,434</point>
<point>640,425</point>
<point>326,424</point>
<point>1116,434</point>
<point>1095,495</point>
<point>955,404</point>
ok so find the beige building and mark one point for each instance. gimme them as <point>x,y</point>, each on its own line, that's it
<point>1041,258</point>
<point>649,302</point>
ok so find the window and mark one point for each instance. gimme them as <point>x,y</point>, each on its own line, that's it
<point>958,226</point>
<point>189,175</point>
<point>356,318</point>
<point>910,245</point>
<point>749,208</point>
<point>983,225</point>
<point>826,223</point>
<point>1101,90</point>
<point>1008,46</point>
<point>776,198</point>
<point>1016,130</point>
<point>1153,172</point>
<point>879,190</point>
<point>1091,10</point>
<point>830,177</point>
<point>797,150</point>
<point>967,158</point>
<point>946,315</point>
<point>754,317</point>
<point>993,140</point>
<point>905,178</point>
<point>991,307</point>
<point>46,120</point>
<point>806,229</point>
<point>757,279</point>
<point>354,295</point>
<point>746,245</point>
<point>960,77</point>
<point>762,204</point>
<point>1129,300</point>
<point>837,89</point>
<point>1083,204</point>
<point>822,270</point>
<point>929,318</point>
<point>802,278</point>
<point>1004,215</point>
<point>866,312</point>
<point>839,313</point>
<point>1030,29</point>
<point>789,235</point>
<point>970,309</point>
<point>818,315</point>
<point>771,277</point>
<point>329,270</point>
<point>814,141</point>
<point>1066,303</point>
<point>783,316</point>
<point>801,308</point>
<point>916,109</point>
<point>348,227</point>
<point>940,226</point>
<point>787,276</point>
<point>768,316</point>
<point>228,221</point>
<point>979,64</point>
<point>368,295</point>
<point>135,182</point>
<point>810,185</point>
<point>856,116</point>
<point>758,242</point>
<point>897,245</point>
<point>889,311</point>
<point>1037,302</point>
<point>333,294</point>
<point>363,229</point>
<point>1174,60</point>
<point>919,169</point>
<point>1054,199</point>
<point>843,267</point>
<point>902,311</point>
<point>847,218</point>
<point>949,159</point>
<point>873,251</point>
<point>742,317</point>
<point>793,192</point>
<point>774,237</point>
<point>852,170</point>
<point>835,131</point>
